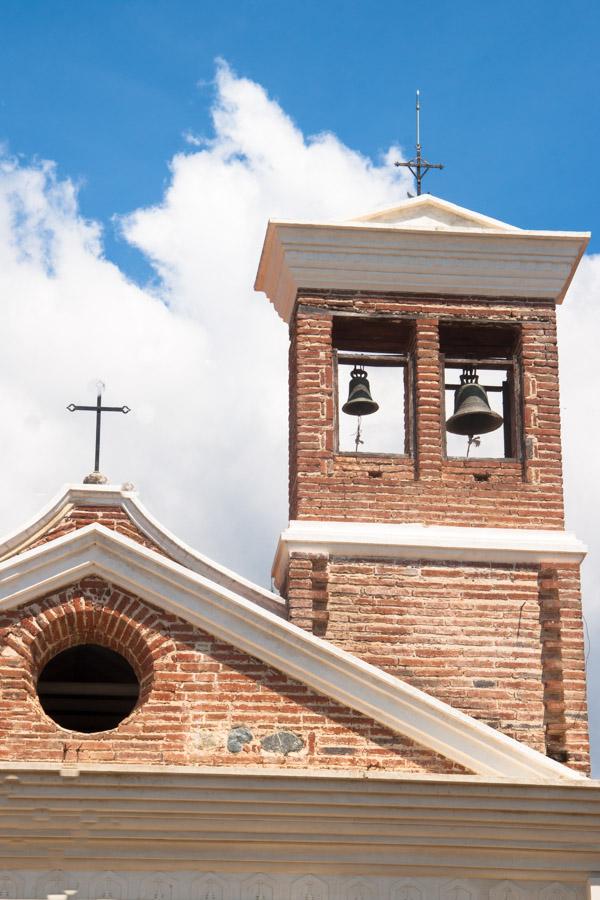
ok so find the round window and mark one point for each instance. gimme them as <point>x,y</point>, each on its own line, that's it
<point>88,688</point>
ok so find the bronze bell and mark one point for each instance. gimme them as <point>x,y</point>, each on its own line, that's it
<point>472,411</point>
<point>359,402</point>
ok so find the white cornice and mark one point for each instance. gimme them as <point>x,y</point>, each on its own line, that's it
<point>327,669</point>
<point>414,256</point>
<point>361,540</point>
<point>107,495</point>
<point>105,819</point>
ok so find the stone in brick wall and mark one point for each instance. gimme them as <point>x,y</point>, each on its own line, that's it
<point>237,738</point>
<point>199,696</point>
<point>283,742</point>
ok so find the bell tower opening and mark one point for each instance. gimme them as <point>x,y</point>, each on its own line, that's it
<point>481,383</point>
<point>373,373</point>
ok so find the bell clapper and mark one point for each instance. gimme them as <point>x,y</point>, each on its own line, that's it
<point>473,439</point>
<point>358,435</point>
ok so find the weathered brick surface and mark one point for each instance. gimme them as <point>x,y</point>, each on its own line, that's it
<point>201,699</point>
<point>502,643</point>
<point>112,517</point>
<point>424,487</point>
<point>563,665</point>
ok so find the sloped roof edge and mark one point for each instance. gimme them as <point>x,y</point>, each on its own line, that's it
<point>425,201</point>
<point>253,629</point>
<point>101,495</point>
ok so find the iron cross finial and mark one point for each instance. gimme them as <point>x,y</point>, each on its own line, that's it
<point>419,167</point>
<point>96,477</point>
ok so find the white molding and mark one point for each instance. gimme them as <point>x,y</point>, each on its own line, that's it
<point>255,630</point>
<point>106,495</point>
<point>97,881</point>
<point>446,215</point>
<point>249,823</point>
<point>74,770</point>
<point>428,542</point>
<point>412,255</point>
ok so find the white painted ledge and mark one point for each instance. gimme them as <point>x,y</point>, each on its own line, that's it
<point>133,826</point>
<point>427,542</point>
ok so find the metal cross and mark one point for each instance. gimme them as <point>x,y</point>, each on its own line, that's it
<point>419,167</point>
<point>98,409</point>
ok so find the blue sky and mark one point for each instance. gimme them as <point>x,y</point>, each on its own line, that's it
<point>510,92</point>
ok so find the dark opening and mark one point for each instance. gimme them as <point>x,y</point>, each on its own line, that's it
<point>380,335</point>
<point>381,346</point>
<point>490,341</point>
<point>88,688</point>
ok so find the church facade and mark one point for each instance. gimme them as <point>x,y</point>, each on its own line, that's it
<point>405,719</point>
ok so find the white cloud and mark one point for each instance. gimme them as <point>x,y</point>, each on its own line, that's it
<point>203,361</point>
<point>578,335</point>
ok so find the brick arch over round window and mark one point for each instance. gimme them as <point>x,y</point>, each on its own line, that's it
<point>91,613</point>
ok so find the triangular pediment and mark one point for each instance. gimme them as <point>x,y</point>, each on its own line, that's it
<point>119,509</point>
<point>226,613</point>
<point>232,708</point>
<point>433,214</point>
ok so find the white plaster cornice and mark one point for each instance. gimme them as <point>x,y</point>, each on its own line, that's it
<point>230,616</point>
<point>100,818</point>
<point>107,495</point>
<point>429,247</point>
<point>428,542</point>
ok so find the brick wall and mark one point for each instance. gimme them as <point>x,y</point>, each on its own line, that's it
<point>502,643</point>
<point>563,665</point>
<point>202,701</point>
<point>424,487</point>
<point>112,517</point>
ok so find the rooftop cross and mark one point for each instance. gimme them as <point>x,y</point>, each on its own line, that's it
<point>418,166</point>
<point>96,477</point>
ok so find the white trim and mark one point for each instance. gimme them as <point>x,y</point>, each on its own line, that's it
<point>73,770</point>
<point>253,629</point>
<point>428,542</point>
<point>286,821</point>
<point>416,258</point>
<point>103,495</point>
<point>402,212</point>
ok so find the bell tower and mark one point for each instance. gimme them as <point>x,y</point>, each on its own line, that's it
<point>426,527</point>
